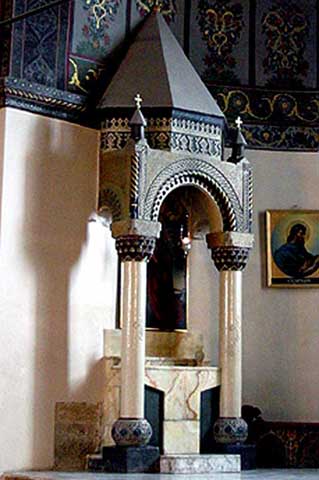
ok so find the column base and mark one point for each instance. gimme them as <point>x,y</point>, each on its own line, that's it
<point>127,432</point>
<point>247,453</point>
<point>144,459</point>
<point>230,430</point>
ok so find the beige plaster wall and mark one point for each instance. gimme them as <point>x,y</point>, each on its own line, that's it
<point>281,326</point>
<point>203,298</point>
<point>57,281</point>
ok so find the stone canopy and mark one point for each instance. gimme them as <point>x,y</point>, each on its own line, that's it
<point>156,67</point>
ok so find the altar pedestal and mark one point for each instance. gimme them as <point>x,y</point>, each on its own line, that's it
<point>181,385</point>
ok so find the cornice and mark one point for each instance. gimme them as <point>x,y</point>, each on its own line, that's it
<point>49,101</point>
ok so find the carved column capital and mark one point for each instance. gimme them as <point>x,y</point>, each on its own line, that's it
<point>230,250</point>
<point>230,258</point>
<point>134,247</point>
<point>135,239</point>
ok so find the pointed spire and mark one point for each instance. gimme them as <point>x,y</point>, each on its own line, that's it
<point>238,143</point>
<point>138,122</point>
<point>166,77</point>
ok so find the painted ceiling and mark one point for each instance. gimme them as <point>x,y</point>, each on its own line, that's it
<point>258,58</point>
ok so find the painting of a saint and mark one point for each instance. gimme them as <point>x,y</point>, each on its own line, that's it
<point>293,248</point>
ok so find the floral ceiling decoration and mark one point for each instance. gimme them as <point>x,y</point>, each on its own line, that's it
<point>166,7</point>
<point>258,58</point>
<point>286,30</point>
<point>221,24</point>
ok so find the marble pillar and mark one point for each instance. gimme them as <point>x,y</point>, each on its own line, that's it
<point>135,243</point>
<point>133,308</point>
<point>230,344</point>
<point>230,252</point>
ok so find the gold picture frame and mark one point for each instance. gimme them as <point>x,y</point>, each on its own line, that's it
<point>292,238</point>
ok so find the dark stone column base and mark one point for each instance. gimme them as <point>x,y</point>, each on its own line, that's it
<point>229,430</point>
<point>131,432</point>
<point>143,459</point>
<point>247,453</point>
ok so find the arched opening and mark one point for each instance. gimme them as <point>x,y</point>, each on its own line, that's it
<point>187,214</point>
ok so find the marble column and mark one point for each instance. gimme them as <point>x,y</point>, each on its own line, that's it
<point>133,308</point>
<point>230,252</point>
<point>135,243</point>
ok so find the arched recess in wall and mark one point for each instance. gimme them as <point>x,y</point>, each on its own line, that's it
<point>187,214</point>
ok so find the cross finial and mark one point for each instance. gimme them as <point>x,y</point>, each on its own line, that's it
<point>238,122</point>
<point>157,6</point>
<point>138,101</point>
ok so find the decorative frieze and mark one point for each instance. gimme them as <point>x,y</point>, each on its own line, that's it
<point>166,133</point>
<point>38,98</point>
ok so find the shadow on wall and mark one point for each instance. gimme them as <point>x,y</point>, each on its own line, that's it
<point>262,243</point>
<point>2,139</point>
<point>59,197</point>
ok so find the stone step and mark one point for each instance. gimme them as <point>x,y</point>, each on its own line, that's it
<point>196,463</point>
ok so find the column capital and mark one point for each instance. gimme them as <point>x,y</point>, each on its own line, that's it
<point>135,247</point>
<point>230,250</point>
<point>135,239</point>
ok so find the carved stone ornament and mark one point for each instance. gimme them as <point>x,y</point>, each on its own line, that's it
<point>230,250</point>
<point>195,136</point>
<point>230,258</point>
<point>200,173</point>
<point>131,432</point>
<point>230,430</point>
<point>134,247</point>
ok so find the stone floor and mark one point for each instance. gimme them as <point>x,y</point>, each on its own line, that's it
<point>291,474</point>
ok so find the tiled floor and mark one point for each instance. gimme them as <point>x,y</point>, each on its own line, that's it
<point>248,475</point>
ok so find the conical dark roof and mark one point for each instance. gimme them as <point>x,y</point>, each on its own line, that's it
<point>157,68</point>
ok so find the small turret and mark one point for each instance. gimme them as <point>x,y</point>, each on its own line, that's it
<point>238,143</point>
<point>138,122</point>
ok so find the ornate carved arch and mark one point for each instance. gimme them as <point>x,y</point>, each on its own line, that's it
<point>200,174</point>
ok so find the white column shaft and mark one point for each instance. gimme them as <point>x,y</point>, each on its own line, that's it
<point>133,313</point>
<point>230,343</point>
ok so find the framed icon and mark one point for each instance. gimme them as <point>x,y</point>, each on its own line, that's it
<point>292,248</point>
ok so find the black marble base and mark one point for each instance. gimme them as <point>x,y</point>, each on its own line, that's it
<point>247,453</point>
<point>116,459</point>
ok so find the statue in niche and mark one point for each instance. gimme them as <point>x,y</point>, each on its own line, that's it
<point>167,269</point>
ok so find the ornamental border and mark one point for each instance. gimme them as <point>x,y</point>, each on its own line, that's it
<point>49,101</point>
